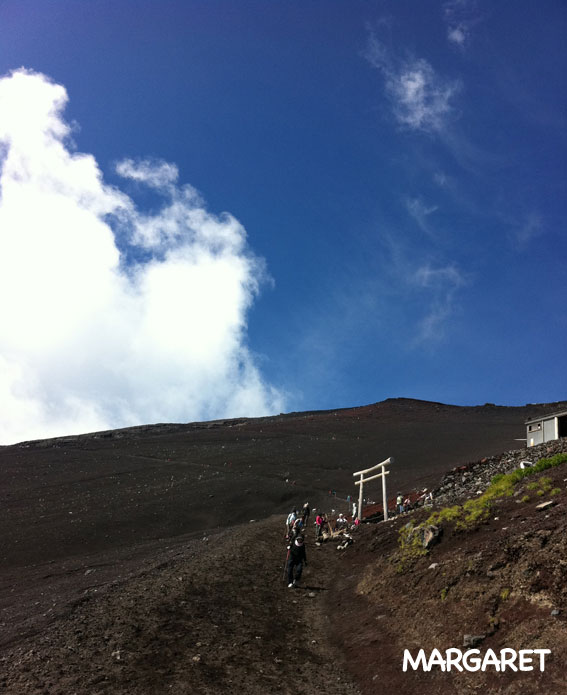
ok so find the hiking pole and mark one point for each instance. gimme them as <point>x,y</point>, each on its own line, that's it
<point>285,564</point>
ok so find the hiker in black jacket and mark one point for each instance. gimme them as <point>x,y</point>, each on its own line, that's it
<point>297,558</point>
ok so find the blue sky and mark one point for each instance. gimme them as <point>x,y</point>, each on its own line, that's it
<point>238,208</point>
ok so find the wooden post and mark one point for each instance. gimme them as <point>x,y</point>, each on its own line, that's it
<point>384,498</point>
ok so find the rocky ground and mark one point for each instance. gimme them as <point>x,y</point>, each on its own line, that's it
<point>472,478</point>
<point>500,584</point>
<point>148,560</point>
<point>208,616</point>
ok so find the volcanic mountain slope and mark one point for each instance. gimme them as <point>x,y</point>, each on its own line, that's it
<point>111,490</point>
<point>116,567</point>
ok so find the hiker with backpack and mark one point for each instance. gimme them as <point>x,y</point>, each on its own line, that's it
<point>292,516</point>
<point>297,558</point>
<point>305,512</point>
<point>296,530</point>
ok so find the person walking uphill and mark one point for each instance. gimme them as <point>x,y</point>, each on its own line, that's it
<point>296,530</point>
<point>292,516</point>
<point>319,521</point>
<point>297,558</point>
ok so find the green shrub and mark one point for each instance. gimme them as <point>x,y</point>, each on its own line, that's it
<point>544,464</point>
<point>411,547</point>
<point>445,514</point>
<point>555,491</point>
<point>476,510</point>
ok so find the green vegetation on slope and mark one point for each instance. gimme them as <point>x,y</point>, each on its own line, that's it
<point>501,485</point>
<point>474,511</point>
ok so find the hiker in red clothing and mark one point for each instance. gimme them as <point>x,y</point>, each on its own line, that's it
<point>319,521</point>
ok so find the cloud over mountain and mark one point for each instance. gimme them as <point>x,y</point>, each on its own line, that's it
<point>112,315</point>
<point>421,99</point>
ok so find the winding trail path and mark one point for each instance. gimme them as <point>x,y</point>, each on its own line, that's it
<point>213,617</point>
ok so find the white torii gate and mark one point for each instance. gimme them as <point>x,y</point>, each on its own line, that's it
<point>383,473</point>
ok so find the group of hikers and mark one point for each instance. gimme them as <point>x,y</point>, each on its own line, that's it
<point>407,505</point>
<point>296,524</point>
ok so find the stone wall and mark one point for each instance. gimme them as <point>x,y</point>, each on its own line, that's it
<point>473,478</point>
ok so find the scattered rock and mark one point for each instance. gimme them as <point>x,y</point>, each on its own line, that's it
<point>456,484</point>
<point>472,640</point>
<point>433,566</point>
<point>545,505</point>
<point>430,536</point>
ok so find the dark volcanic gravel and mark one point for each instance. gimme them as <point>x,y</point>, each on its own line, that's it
<point>119,556</point>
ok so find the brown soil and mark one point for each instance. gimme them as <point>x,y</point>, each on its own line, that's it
<point>501,579</point>
<point>209,615</point>
<point>130,562</point>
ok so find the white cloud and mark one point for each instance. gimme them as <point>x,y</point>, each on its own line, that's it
<point>420,212</point>
<point>87,340</point>
<point>440,285</point>
<point>421,99</point>
<point>457,35</point>
<point>525,232</point>
<point>441,179</point>
<point>429,291</point>
<point>448,276</point>
<point>461,17</point>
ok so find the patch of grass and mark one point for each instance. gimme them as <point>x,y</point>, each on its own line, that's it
<point>411,547</point>
<point>476,510</point>
<point>444,592</point>
<point>555,491</point>
<point>542,486</point>
<point>505,593</point>
<point>445,514</point>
